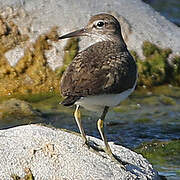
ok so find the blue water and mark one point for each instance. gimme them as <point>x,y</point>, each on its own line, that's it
<point>171,10</point>
<point>168,8</point>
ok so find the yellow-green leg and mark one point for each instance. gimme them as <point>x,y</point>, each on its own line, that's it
<point>77,115</point>
<point>90,145</point>
<point>100,125</point>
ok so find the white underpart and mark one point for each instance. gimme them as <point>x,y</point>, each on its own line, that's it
<point>98,102</point>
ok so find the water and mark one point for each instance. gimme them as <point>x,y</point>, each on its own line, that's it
<point>144,117</point>
<point>168,8</point>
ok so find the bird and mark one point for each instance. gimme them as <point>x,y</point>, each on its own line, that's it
<point>100,76</point>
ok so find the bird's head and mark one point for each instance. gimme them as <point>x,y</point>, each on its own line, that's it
<point>102,26</point>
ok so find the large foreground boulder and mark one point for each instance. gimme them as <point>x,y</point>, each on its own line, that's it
<point>51,154</point>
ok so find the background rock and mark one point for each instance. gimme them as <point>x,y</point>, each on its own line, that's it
<point>139,22</point>
<point>16,106</point>
<point>15,112</point>
<point>56,154</point>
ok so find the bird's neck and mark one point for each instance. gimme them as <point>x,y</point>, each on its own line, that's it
<point>91,40</point>
<point>117,39</point>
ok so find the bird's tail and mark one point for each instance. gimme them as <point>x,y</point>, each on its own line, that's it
<point>70,100</point>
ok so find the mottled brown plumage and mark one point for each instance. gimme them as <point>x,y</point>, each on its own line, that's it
<point>103,68</point>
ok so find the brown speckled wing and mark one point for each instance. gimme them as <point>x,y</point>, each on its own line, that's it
<point>103,68</point>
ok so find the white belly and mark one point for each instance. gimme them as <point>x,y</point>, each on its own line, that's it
<point>98,102</point>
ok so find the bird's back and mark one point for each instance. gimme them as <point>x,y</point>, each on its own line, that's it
<point>103,68</point>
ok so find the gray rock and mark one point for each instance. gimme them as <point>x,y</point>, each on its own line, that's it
<point>15,112</point>
<point>16,107</point>
<point>138,20</point>
<point>16,53</point>
<point>53,154</point>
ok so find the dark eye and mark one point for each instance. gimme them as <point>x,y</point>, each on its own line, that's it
<point>100,24</point>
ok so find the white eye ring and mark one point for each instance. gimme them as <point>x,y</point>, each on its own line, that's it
<point>100,24</point>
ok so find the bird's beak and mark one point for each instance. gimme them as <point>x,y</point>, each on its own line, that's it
<point>80,32</point>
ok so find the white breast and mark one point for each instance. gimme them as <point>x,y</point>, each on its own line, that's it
<point>98,102</point>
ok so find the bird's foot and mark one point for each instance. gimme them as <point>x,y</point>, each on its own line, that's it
<point>92,145</point>
<point>115,159</point>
